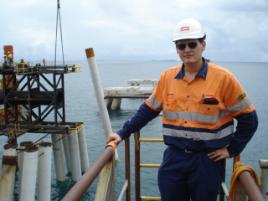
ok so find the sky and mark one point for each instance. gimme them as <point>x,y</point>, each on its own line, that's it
<point>133,30</point>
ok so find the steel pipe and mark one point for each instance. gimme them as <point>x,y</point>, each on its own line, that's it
<point>264,177</point>
<point>127,169</point>
<point>250,187</point>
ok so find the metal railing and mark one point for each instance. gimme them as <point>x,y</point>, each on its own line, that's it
<point>138,166</point>
<point>84,183</point>
<point>249,187</point>
<point>78,190</point>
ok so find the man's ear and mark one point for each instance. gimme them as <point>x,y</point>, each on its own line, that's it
<point>204,45</point>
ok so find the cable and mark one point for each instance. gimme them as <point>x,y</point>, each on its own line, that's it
<point>58,24</point>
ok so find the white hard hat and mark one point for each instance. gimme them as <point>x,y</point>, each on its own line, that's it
<point>188,29</point>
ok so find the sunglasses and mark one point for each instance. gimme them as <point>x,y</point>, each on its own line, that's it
<point>182,46</point>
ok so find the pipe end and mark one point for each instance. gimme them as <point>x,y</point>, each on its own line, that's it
<point>90,52</point>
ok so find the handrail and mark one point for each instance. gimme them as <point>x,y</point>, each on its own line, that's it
<point>82,185</point>
<point>246,179</point>
<point>127,169</point>
<point>138,166</point>
<point>250,187</point>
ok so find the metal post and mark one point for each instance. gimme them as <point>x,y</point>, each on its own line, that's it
<point>223,181</point>
<point>137,166</point>
<point>55,99</point>
<point>236,159</point>
<point>29,98</point>
<point>127,169</point>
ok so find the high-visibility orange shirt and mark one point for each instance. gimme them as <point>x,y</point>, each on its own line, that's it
<point>199,113</point>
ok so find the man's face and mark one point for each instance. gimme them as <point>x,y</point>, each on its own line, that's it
<point>190,50</point>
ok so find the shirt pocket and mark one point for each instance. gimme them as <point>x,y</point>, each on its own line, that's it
<point>208,109</point>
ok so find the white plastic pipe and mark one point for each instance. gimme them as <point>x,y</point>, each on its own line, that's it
<point>59,157</point>
<point>75,156</point>
<point>83,148</point>
<point>99,93</point>
<point>105,184</point>
<point>22,146</point>
<point>44,172</point>
<point>122,193</point>
<point>67,153</point>
<point>7,179</point>
<point>29,174</point>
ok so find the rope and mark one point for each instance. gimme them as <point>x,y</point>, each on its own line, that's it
<point>58,24</point>
<point>239,168</point>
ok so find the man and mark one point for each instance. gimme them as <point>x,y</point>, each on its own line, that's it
<point>199,101</point>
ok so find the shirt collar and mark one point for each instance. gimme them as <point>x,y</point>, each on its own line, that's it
<point>202,73</point>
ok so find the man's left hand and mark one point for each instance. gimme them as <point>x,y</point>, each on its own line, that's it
<point>219,154</point>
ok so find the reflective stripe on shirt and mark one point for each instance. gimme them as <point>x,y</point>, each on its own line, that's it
<point>240,106</point>
<point>155,103</point>
<point>199,135</point>
<point>191,116</point>
<point>205,118</point>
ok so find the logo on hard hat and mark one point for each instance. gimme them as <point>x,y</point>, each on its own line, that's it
<point>185,28</point>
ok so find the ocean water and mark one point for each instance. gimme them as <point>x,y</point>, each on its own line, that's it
<point>81,105</point>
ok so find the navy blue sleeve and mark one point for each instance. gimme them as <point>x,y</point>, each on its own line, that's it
<point>143,115</point>
<point>246,126</point>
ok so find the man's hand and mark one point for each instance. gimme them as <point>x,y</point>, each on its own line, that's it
<point>115,138</point>
<point>219,154</point>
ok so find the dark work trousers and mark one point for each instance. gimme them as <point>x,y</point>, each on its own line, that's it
<point>184,176</point>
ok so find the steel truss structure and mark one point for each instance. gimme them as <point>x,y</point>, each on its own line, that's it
<point>33,99</point>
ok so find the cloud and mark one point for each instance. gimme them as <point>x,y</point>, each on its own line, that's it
<point>141,29</point>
